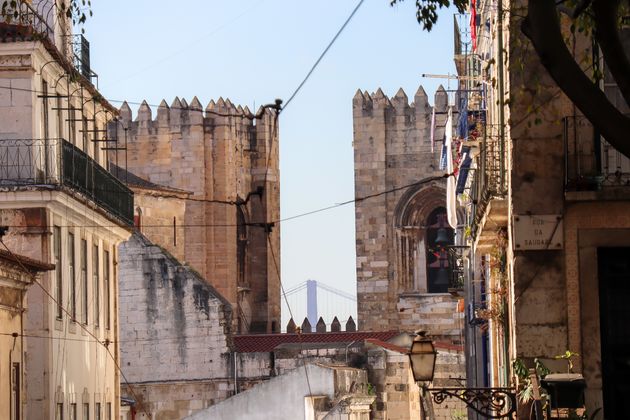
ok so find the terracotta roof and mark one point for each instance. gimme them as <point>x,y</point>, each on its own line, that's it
<point>388,346</point>
<point>448,346</point>
<point>267,342</point>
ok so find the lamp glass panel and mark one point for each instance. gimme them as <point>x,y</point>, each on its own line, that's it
<point>422,360</point>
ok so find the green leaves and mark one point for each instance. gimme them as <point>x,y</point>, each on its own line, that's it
<point>427,10</point>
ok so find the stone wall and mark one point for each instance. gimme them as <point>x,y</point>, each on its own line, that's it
<point>392,150</point>
<point>175,332</point>
<point>440,315</point>
<point>228,160</point>
<point>160,216</point>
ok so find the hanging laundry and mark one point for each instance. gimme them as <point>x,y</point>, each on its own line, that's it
<point>464,169</point>
<point>473,24</point>
<point>462,121</point>
<point>451,200</point>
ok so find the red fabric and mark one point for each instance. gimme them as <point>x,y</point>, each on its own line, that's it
<point>473,24</point>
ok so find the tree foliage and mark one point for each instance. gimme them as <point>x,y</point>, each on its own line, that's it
<point>601,19</point>
<point>77,10</point>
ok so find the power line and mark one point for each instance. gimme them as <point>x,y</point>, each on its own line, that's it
<point>330,44</point>
<point>277,269</point>
<point>266,225</point>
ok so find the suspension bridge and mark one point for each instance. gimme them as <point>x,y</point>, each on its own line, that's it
<point>313,299</point>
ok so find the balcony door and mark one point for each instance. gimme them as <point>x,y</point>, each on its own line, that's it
<point>614,304</point>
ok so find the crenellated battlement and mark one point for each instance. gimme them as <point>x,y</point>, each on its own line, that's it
<point>367,104</point>
<point>181,114</point>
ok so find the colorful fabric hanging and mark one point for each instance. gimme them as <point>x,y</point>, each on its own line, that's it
<point>451,199</point>
<point>462,121</point>
<point>473,24</point>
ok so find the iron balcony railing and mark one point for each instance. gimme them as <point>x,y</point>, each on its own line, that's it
<point>489,177</point>
<point>22,20</point>
<point>56,162</point>
<point>591,163</point>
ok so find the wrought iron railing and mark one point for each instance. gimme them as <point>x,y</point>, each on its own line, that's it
<point>591,163</point>
<point>20,21</point>
<point>489,178</point>
<point>81,54</point>
<point>457,267</point>
<point>56,162</point>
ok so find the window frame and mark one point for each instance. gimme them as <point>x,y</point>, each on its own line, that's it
<point>72,275</point>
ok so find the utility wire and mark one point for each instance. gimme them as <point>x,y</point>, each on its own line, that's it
<point>277,269</point>
<point>104,343</point>
<point>286,219</point>
<point>330,44</point>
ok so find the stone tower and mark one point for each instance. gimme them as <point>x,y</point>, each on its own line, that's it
<point>396,279</point>
<point>228,159</point>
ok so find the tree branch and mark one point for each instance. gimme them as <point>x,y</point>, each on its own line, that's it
<point>542,27</point>
<point>607,35</point>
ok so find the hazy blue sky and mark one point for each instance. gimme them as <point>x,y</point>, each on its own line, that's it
<point>253,51</point>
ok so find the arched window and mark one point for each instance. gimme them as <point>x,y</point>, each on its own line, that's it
<point>439,235</point>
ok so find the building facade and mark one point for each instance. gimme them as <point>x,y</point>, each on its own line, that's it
<point>547,208</point>
<point>403,241</point>
<point>227,158</point>
<point>62,207</point>
<point>16,275</point>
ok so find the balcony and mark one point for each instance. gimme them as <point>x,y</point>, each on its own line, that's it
<point>23,21</point>
<point>591,164</point>
<point>58,163</point>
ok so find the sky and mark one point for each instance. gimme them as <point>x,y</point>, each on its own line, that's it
<point>253,51</point>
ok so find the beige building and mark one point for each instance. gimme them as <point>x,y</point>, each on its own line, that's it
<point>63,207</point>
<point>17,273</point>
<point>548,212</point>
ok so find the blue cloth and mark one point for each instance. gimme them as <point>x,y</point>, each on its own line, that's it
<point>443,157</point>
<point>464,168</point>
<point>462,122</point>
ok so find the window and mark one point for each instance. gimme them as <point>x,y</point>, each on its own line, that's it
<point>58,271</point>
<point>439,238</point>
<point>86,411</point>
<point>59,412</point>
<point>73,281</point>
<point>45,108</point>
<point>96,284</point>
<point>84,134</point>
<point>59,117</point>
<point>72,415</point>
<point>96,142</point>
<point>84,282</point>
<point>72,119</point>
<point>106,289</point>
<point>97,411</point>
<point>108,414</point>
<point>15,391</point>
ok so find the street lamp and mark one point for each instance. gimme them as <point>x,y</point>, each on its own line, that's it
<point>492,403</point>
<point>422,357</point>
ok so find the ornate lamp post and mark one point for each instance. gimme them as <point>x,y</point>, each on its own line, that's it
<point>491,403</point>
